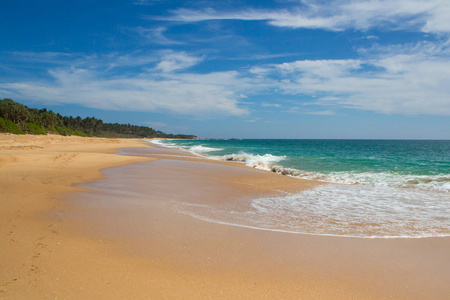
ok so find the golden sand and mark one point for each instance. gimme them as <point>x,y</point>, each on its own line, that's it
<point>54,243</point>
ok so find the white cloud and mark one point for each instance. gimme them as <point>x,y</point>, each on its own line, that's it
<point>321,113</point>
<point>321,68</point>
<point>265,104</point>
<point>42,55</point>
<point>78,60</point>
<point>253,120</point>
<point>439,22</point>
<point>188,94</point>
<point>172,61</point>
<point>282,18</point>
<point>158,89</point>
<point>405,83</point>
<point>423,15</point>
<point>409,79</point>
<point>156,35</point>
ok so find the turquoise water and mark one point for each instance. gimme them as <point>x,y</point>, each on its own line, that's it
<point>401,188</point>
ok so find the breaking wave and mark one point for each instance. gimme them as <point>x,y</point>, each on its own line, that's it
<point>361,201</point>
<point>270,162</point>
<point>262,162</point>
<point>202,149</point>
<point>267,162</point>
<point>197,150</point>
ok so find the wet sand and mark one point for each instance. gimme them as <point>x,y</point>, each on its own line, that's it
<point>123,237</point>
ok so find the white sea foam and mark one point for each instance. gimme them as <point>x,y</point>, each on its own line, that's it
<point>268,162</point>
<point>364,204</point>
<point>343,210</point>
<point>359,210</point>
<point>164,143</point>
<point>197,150</point>
<point>202,149</point>
<point>422,182</point>
<point>263,162</point>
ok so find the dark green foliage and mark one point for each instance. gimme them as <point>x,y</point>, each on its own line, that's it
<point>9,126</point>
<point>18,118</point>
<point>15,112</point>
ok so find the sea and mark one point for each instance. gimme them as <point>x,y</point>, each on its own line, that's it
<point>375,188</point>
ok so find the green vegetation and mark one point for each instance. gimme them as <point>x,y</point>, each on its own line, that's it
<point>35,129</point>
<point>19,119</point>
<point>8,126</point>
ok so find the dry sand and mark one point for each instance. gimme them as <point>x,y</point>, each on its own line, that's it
<point>123,239</point>
<point>35,173</point>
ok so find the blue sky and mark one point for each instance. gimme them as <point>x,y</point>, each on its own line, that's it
<point>244,69</point>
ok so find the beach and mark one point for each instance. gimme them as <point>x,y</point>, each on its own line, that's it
<point>79,221</point>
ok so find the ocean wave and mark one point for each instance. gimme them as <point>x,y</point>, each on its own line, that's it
<point>197,150</point>
<point>375,204</point>
<point>202,149</point>
<point>358,210</point>
<point>339,210</point>
<point>164,143</point>
<point>263,162</point>
<point>425,182</point>
<point>270,162</point>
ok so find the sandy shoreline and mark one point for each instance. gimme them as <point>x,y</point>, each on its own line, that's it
<point>35,173</point>
<point>124,239</point>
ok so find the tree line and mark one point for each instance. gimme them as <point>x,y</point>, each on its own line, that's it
<point>19,119</point>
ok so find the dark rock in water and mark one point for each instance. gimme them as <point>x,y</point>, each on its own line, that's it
<point>285,171</point>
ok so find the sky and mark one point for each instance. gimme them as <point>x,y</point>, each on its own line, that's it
<point>339,69</point>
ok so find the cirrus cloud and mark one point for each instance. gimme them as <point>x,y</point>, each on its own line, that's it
<point>427,16</point>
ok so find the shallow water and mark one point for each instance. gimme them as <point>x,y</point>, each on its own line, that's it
<point>385,188</point>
